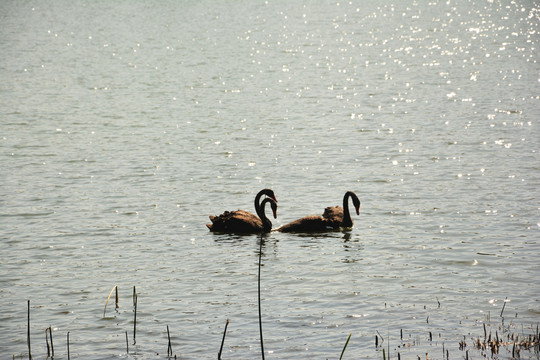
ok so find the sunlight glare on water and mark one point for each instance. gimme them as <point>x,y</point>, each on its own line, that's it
<point>125,125</point>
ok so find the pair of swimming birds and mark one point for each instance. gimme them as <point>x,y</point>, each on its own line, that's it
<point>241,221</point>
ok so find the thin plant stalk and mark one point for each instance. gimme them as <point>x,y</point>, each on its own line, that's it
<point>346,343</point>
<point>134,315</point>
<point>223,340</point>
<point>49,330</point>
<point>504,304</point>
<point>68,344</point>
<point>110,294</point>
<point>259,297</point>
<point>52,345</point>
<point>28,333</point>
<point>169,346</point>
<point>47,342</point>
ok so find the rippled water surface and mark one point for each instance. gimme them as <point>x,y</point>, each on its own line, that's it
<point>125,124</point>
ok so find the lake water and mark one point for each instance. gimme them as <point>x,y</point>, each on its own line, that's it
<point>125,124</point>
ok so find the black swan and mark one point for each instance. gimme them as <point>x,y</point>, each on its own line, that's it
<point>252,217</point>
<point>241,221</point>
<point>333,218</point>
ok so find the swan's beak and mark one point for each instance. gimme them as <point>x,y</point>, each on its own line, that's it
<point>275,213</point>
<point>357,210</point>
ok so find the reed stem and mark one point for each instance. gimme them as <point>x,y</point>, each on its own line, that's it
<point>504,304</point>
<point>382,339</point>
<point>169,346</point>
<point>47,342</point>
<point>28,333</point>
<point>108,298</point>
<point>259,296</point>
<point>134,315</point>
<point>52,344</point>
<point>223,340</point>
<point>51,353</point>
<point>346,343</point>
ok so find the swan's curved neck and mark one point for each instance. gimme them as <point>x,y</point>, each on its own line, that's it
<point>267,224</point>
<point>347,221</point>
<point>257,203</point>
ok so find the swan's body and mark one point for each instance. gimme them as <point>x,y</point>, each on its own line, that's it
<point>337,214</point>
<point>241,221</point>
<point>246,216</point>
<point>333,218</point>
<point>310,223</point>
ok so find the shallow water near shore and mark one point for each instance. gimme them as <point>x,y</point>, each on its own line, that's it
<point>124,125</point>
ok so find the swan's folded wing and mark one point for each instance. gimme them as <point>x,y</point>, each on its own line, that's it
<point>235,221</point>
<point>333,212</point>
<point>311,223</point>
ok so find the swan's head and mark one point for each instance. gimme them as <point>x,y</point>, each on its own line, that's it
<point>356,203</point>
<point>269,193</point>
<point>355,200</point>
<point>274,208</point>
<point>273,205</point>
